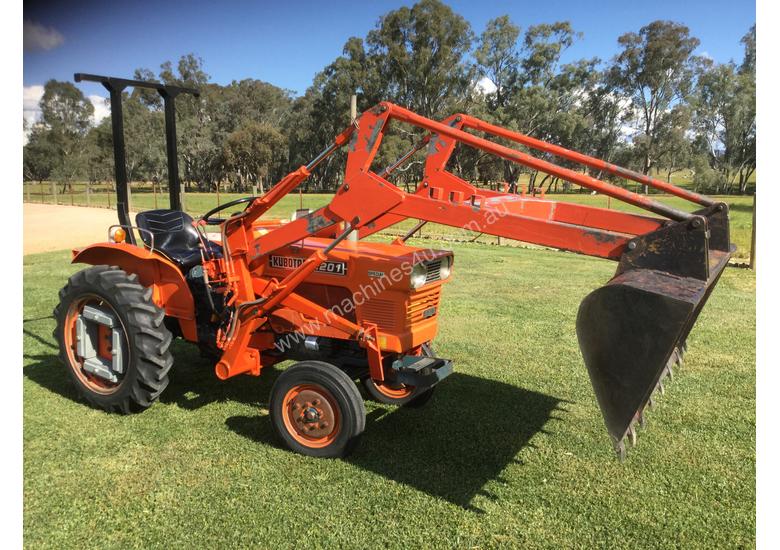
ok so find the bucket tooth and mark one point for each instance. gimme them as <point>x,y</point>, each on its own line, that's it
<point>620,450</point>
<point>661,385</point>
<point>632,434</point>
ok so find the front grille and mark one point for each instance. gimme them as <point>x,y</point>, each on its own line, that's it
<point>423,305</point>
<point>383,313</point>
<point>392,316</point>
<point>433,271</point>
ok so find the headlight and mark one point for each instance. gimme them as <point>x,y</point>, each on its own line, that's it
<point>419,274</point>
<point>446,267</point>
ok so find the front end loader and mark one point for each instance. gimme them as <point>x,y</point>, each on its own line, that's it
<point>259,291</point>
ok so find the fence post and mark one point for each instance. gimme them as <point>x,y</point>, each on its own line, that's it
<point>54,191</point>
<point>753,237</point>
<point>27,191</point>
<point>154,193</point>
<point>183,196</point>
<point>89,202</point>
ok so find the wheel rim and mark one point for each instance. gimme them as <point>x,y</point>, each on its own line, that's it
<point>397,391</point>
<point>393,391</point>
<point>311,415</point>
<point>91,381</point>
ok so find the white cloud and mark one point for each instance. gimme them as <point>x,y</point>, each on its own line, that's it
<point>32,112</point>
<point>486,86</point>
<point>32,95</point>
<point>37,37</point>
<point>102,109</point>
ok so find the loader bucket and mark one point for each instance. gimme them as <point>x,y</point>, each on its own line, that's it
<point>632,330</point>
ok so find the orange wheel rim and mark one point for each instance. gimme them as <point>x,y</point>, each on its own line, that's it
<point>311,415</point>
<point>394,391</point>
<point>94,383</point>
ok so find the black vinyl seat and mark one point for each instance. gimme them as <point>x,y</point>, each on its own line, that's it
<point>174,236</point>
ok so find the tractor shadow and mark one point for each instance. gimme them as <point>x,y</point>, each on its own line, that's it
<point>463,438</point>
<point>192,381</point>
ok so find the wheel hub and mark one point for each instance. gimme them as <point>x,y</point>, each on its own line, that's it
<point>96,344</point>
<point>99,343</point>
<point>312,414</point>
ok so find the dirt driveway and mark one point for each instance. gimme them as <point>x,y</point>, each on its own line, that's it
<point>48,227</point>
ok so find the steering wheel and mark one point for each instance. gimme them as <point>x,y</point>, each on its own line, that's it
<point>208,220</point>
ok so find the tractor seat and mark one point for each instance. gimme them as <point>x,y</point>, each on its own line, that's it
<point>174,236</point>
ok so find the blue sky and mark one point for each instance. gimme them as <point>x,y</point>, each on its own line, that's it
<point>286,43</point>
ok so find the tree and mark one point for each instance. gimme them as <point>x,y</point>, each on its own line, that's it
<point>605,112</point>
<point>497,58</point>
<point>251,150</point>
<point>422,55</point>
<point>66,116</point>
<point>39,154</point>
<point>725,111</point>
<point>656,70</point>
<point>674,145</point>
<point>545,100</point>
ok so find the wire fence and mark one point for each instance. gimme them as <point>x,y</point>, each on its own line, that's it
<point>95,194</point>
<point>148,196</point>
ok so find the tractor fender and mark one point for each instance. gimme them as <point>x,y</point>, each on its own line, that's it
<point>170,291</point>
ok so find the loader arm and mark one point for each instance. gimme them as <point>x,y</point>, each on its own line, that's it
<point>630,330</point>
<point>438,162</point>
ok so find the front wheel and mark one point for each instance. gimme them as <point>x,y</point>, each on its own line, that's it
<point>397,394</point>
<point>316,410</point>
<point>400,395</point>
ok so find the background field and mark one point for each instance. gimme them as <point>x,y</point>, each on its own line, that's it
<point>741,209</point>
<point>511,451</point>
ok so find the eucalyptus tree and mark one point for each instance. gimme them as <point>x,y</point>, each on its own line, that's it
<point>655,69</point>
<point>725,119</point>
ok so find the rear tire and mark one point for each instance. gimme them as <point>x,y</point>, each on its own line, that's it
<point>316,410</point>
<point>145,340</point>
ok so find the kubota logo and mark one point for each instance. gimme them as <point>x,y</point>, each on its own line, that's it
<point>291,262</point>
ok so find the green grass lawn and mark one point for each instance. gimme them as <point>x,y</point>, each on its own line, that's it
<point>510,452</point>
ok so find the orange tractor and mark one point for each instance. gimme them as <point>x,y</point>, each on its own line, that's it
<point>256,291</point>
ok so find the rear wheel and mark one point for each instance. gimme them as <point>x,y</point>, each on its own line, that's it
<point>316,410</point>
<point>112,339</point>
